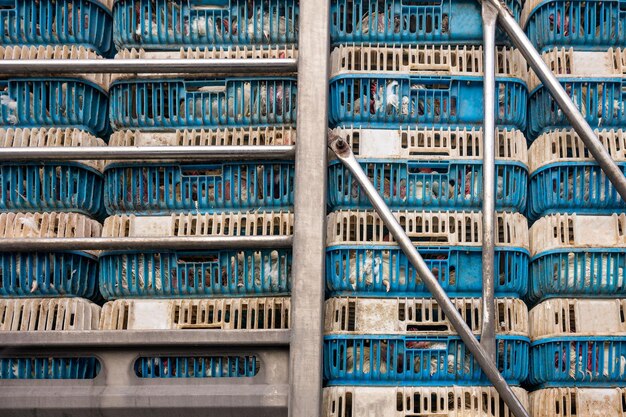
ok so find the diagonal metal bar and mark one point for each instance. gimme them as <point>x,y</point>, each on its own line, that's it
<point>580,125</point>
<point>488,305</point>
<point>345,155</point>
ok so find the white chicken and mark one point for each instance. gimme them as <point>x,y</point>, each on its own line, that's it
<point>257,29</point>
<point>361,357</point>
<point>138,275</point>
<point>11,108</point>
<point>575,271</point>
<point>377,23</point>
<point>373,270</point>
<point>272,273</point>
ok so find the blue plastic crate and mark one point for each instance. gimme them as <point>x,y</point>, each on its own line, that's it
<point>179,104</point>
<point>592,361</point>
<point>51,187</point>
<point>167,24</point>
<point>601,101</point>
<point>407,360</point>
<point>581,24</point>
<point>168,187</point>
<point>56,22</point>
<point>53,102</point>
<point>446,184</point>
<point>197,367</point>
<point>225,273</point>
<point>409,21</point>
<point>49,368</point>
<point>386,101</point>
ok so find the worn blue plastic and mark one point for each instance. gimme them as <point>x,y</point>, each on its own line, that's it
<point>391,100</point>
<point>30,187</point>
<point>575,273</point>
<point>410,21</point>
<point>58,274</point>
<point>595,24</point>
<point>442,185</point>
<point>49,368</point>
<point>223,273</point>
<point>602,102</point>
<point>585,361</point>
<point>178,104</point>
<point>53,102</point>
<point>197,367</point>
<point>166,24</point>
<point>165,188</point>
<point>85,23</point>
<point>573,187</point>
<point>384,271</point>
<point>410,360</point>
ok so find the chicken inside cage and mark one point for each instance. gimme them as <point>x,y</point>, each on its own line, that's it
<point>390,19</point>
<point>590,360</point>
<point>604,98</point>
<point>261,270</point>
<point>197,367</point>
<point>571,20</point>
<point>591,268</point>
<point>578,186</point>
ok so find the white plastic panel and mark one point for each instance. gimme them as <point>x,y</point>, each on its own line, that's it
<point>46,225</point>
<point>48,314</point>
<point>578,402</point>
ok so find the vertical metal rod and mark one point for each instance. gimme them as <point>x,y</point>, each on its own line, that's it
<point>307,294</point>
<point>580,125</point>
<point>344,153</point>
<point>488,332</point>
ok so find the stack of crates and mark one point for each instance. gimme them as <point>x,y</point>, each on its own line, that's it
<point>578,350</point>
<point>56,290</point>
<point>406,92</point>
<point>229,289</point>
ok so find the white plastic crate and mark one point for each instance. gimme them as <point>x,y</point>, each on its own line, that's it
<point>421,316</point>
<point>417,401</point>
<point>578,402</point>
<point>48,225</point>
<point>262,313</point>
<point>47,314</point>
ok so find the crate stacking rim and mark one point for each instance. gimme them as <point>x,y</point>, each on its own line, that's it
<point>430,168</point>
<point>564,177</point>
<point>167,25</point>
<point>572,402</point>
<point>48,314</point>
<point>577,341</point>
<point>170,104</point>
<point>185,367</point>
<point>49,274</point>
<point>363,259</point>
<point>379,87</point>
<point>226,273</point>
<point>420,401</point>
<point>582,24</point>
<point>74,186</point>
<point>406,21</point>
<point>162,187</point>
<point>47,368</point>
<point>375,341</point>
<point>85,23</point>
<point>595,81</point>
<point>577,256</point>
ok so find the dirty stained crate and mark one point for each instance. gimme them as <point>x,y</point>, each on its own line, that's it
<point>571,402</point>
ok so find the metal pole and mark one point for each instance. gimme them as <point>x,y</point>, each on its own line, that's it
<point>309,248</point>
<point>144,243</point>
<point>344,153</point>
<point>144,66</point>
<point>580,125</point>
<point>488,332</point>
<point>189,153</point>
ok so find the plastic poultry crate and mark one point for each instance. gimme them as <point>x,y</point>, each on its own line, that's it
<point>564,177</point>
<point>49,368</point>
<point>417,401</point>
<point>596,83</point>
<point>409,21</point>
<point>261,313</point>
<point>49,274</point>
<point>168,104</point>
<point>163,187</point>
<point>582,24</point>
<point>54,102</point>
<point>577,256</point>
<point>430,168</point>
<point>223,366</point>
<point>383,87</point>
<point>572,402</point>
<point>578,343</point>
<point>409,340</point>
<point>168,24</point>
<point>84,23</point>
<point>363,259</point>
<point>225,273</point>
<point>74,186</point>
<point>48,314</point>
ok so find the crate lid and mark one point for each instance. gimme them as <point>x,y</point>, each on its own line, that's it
<point>572,402</point>
<point>48,314</point>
